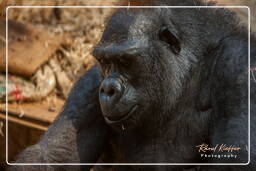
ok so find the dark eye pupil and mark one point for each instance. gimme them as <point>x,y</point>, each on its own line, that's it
<point>171,38</point>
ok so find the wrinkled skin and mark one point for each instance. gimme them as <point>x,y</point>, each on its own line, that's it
<point>167,80</point>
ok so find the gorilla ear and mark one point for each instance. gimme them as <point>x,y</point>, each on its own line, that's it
<point>169,37</point>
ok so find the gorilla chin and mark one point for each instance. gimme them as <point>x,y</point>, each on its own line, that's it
<point>124,117</point>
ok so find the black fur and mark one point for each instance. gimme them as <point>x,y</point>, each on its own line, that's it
<point>194,94</point>
<point>78,135</point>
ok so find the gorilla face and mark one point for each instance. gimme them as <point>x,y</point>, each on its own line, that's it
<point>145,62</point>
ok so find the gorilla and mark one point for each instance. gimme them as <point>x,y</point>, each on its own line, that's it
<point>170,86</point>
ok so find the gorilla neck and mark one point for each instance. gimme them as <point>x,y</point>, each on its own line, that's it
<point>171,136</point>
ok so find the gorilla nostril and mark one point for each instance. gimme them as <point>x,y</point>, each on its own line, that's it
<point>108,91</point>
<point>111,92</point>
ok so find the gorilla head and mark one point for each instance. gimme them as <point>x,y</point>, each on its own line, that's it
<point>151,58</point>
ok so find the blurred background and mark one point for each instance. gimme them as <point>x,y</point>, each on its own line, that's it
<point>48,49</point>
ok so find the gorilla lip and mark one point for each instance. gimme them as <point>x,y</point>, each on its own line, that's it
<point>126,116</point>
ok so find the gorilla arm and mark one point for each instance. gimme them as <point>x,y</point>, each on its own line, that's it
<point>79,133</point>
<point>231,96</point>
<point>230,102</point>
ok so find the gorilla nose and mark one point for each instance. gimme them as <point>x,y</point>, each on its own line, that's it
<point>111,91</point>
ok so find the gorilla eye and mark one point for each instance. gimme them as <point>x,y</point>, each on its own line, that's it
<point>169,37</point>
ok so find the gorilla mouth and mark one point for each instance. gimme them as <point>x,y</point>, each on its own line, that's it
<point>124,116</point>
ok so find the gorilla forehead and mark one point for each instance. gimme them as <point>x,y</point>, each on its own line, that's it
<point>128,24</point>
